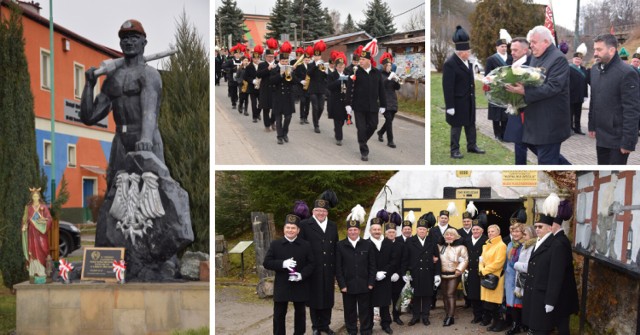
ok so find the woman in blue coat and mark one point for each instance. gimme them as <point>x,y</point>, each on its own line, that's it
<point>514,304</point>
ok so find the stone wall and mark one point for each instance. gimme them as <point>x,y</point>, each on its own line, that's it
<point>104,308</point>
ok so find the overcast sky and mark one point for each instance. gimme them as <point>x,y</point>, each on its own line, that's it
<point>564,11</point>
<point>100,21</point>
<point>353,7</point>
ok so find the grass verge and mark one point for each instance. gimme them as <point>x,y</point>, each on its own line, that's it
<point>7,310</point>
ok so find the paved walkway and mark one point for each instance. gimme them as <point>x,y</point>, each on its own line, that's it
<point>578,149</point>
<point>238,311</point>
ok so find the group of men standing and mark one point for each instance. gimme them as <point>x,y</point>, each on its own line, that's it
<point>360,90</point>
<point>554,108</point>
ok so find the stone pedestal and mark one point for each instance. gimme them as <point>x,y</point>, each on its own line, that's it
<point>103,308</point>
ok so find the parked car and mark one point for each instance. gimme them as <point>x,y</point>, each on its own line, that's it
<point>69,238</point>
<point>477,67</point>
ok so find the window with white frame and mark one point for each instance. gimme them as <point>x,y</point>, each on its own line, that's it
<point>46,153</point>
<point>71,155</point>
<point>45,73</point>
<point>78,80</point>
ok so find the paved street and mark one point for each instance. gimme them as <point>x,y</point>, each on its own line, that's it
<point>238,311</point>
<point>239,141</point>
<point>578,149</point>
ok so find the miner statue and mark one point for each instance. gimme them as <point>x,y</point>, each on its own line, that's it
<point>145,210</point>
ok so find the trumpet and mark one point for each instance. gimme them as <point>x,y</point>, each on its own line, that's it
<point>321,67</point>
<point>286,69</point>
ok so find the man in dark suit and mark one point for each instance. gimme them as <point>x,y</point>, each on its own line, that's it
<point>578,90</point>
<point>338,84</point>
<point>474,245</point>
<point>231,67</point>
<point>422,261</point>
<point>367,97</point>
<point>322,234</point>
<point>219,61</point>
<point>548,118</point>
<point>467,222</point>
<point>541,289</point>
<point>283,79</point>
<point>356,276</point>
<point>562,270</point>
<point>436,235</point>
<point>458,87</point>
<point>301,73</point>
<point>251,78</point>
<point>292,260</point>
<point>497,114</point>
<point>318,84</point>
<point>398,244</point>
<point>387,263</point>
<point>266,88</point>
<point>614,108</point>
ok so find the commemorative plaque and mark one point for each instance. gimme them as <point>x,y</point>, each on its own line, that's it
<point>97,263</point>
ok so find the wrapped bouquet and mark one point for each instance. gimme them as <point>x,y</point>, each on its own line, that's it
<point>405,298</point>
<point>496,80</point>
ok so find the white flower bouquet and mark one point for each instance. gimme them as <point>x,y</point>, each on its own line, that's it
<point>496,80</point>
<point>405,298</point>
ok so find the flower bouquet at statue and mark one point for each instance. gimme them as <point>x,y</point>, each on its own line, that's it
<point>495,81</point>
<point>405,298</point>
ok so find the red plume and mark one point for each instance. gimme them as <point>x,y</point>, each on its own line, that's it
<point>334,55</point>
<point>343,56</point>
<point>308,51</point>
<point>358,51</point>
<point>247,54</point>
<point>286,47</point>
<point>384,56</point>
<point>373,62</point>
<point>299,50</point>
<point>320,46</point>
<point>258,49</point>
<point>272,43</point>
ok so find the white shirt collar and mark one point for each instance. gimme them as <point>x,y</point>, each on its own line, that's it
<point>421,240</point>
<point>504,57</point>
<point>559,230</point>
<point>290,240</point>
<point>378,243</point>
<point>474,240</point>
<point>367,70</point>
<point>322,224</point>
<point>443,228</point>
<point>520,61</point>
<point>353,243</point>
<point>466,62</point>
<point>541,240</point>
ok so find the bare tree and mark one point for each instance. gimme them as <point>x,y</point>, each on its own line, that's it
<point>416,20</point>
<point>441,45</point>
<point>335,17</point>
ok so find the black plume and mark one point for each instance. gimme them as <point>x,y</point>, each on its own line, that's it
<point>331,197</point>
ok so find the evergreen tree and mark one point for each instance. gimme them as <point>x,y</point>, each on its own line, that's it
<point>279,19</point>
<point>329,25</point>
<point>18,158</point>
<point>310,18</point>
<point>230,20</point>
<point>516,16</point>
<point>184,124</point>
<point>378,19</point>
<point>349,26</point>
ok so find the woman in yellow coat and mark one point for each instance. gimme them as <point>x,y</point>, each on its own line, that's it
<point>494,254</point>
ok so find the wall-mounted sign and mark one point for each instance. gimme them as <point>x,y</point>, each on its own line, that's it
<point>463,173</point>
<point>468,193</point>
<point>97,263</point>
<point>72,114</point>
<point>520,178</point>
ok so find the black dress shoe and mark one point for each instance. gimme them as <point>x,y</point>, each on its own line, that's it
<point>280,140</point>
<point>485,322</point>
<point>255,120</point>
<point>286,138</point>
<point>476,150</point>
<point>338,142</point>
<point>454,155</point>
<point>273,126</point>
<point>476,320</point>
<point>380,138</point>
<point>426,322</point>
<point>306,121</point>
<point>316,332</point>
<point>387,330</point>
<point>330,332</point>
<point>448,321</point>
<point>233,106</point>
<point>579,132</point>
<point>301,121</point>
<point>316,130</point>
<point>391,145</point>
<point>413,322</point>
<point>398,321</point>
<point>364,158</point>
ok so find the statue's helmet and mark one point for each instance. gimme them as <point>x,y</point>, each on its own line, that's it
<point>131,26</point>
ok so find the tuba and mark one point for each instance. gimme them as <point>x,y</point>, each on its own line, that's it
<point>307,81</point>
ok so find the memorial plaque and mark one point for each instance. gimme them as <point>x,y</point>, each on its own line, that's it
<point>97,263</point>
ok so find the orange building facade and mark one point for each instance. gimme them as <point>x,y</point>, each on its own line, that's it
<point>81,152</point>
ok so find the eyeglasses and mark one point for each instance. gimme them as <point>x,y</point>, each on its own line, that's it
<point>539,226</point>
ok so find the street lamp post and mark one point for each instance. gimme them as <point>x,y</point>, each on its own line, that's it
<point>295,32</point>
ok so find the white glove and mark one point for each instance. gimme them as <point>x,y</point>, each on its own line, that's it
<point>303,82</point>
<point>289,264</point>
<point>451,111</point>
<point>380,275</point>
<point>480,259</point>
<point>382,109</point>
<point>548,308</point>
<point>436,281</point>
<point>255,81</point>
<point>320,62</point>
<point>392,75</point>
<point>349,110</point>
<point>295,276</point>
<point>395,277</point>
<point>461,260</point>
<point>406,278</point>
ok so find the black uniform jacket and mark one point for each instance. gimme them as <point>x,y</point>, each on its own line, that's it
<point>231,67</point>
<point>458,87</point>
<point>355,267</point>
<point>283,101</point>
<point>323,246</point>
<point>338,99</point>
<point>388,260</point>
<point>266,89</point>
<point>474,251</point>
<point>318,83</point>
<point>300,251</point>
<point>249,75</point>
<point>562,267</point>
<point>495,61</point>
<point>540,287</point>
<point>366,90</point>
<point>418,260</point>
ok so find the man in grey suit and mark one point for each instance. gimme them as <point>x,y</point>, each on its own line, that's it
<point>614,108</point>
<point>548,118</point>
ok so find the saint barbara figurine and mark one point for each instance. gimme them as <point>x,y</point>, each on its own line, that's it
<point>36,223</point>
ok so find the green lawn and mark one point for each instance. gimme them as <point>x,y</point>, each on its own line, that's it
<point>7,310</point>
<point>415,107</point>
<point>440,133</point>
